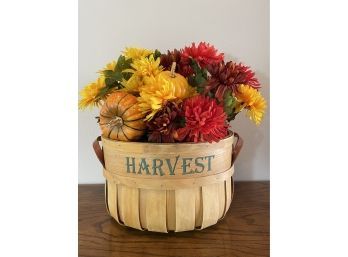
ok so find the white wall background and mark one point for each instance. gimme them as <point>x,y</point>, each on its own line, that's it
<point>239,28</point>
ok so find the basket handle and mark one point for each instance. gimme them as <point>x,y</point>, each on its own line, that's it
<point>236,147</point>
<point>98,150</point>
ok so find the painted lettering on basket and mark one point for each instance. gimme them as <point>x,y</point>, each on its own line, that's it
<point>144,166</point>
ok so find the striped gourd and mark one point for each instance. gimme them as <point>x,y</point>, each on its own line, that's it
<point>120,117</point>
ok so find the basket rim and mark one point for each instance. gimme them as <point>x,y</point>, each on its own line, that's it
<point>229,136</point>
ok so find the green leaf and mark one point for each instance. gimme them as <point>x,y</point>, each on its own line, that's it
<point>108,73</point>
<point>211,95</point>
<point>157,54</point>
<point>113,76</point>
<point>229,105</point>
<point>200,76</point>
<point>205,74</point>
<point>197,80</point>
<point>181,122</point>
<point>195,66</point>
<point>123,63</point>
<point>117,75</point>
<point>103,92</point>
<point>127,75</point>
<point>110,82</point>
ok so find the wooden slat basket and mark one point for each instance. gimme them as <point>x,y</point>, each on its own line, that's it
<point>168,187</point>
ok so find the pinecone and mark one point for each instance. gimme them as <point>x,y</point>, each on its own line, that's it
<point>182,67</point>
<point>228,76</point>
<point>162,128</point>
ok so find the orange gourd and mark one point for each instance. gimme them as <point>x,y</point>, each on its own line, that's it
<point>120,117</point>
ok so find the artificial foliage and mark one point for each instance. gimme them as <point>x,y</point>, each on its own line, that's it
<point>205,120</point>
<point>160,89</point>
<point>182,95</point>
<point>163,127</point>
<point>229,76</point>
<point>250,99</point>
<point>93,94</point>
<point>204,54</point>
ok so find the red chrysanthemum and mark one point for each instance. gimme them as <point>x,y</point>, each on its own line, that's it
<point>229,76</point>
<point>205,120</point>
<point>203,54</point>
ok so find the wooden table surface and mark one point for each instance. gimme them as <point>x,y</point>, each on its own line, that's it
<point>243,232</point>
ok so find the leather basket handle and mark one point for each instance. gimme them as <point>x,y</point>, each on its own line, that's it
<point>236,147</point>
<point>98,150</point>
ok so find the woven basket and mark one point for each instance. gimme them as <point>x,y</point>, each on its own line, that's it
<point>168,187</point>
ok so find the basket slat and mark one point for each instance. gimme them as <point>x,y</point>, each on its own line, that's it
<point>156,202</point>
<point>222,198</point>
<point>112,199</point>
<point>120,205</point>
<point>171,209</point>
<point>142,207</point>
<point>198,207</point>
<point>106,197</point>
<point>228,194</point>
<point>210,194</point>
<point>185,209</point>
<point>130,203</point>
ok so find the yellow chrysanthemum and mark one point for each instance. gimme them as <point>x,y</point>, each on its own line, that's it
<point>89,94</point>
<point>132,85</point>
<point>158,90</point>
<point>109,66</point>
<point>147,67</point>
<point>136,53</point>
<point>251,99</point>
<point>143,69</point>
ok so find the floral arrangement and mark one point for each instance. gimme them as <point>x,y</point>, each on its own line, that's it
<point>186,95</point>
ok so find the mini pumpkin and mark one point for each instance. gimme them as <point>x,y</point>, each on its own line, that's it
<point>182,88</point>
<point>120,117</point>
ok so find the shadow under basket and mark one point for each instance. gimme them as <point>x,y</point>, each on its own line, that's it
<point>168,187</point>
